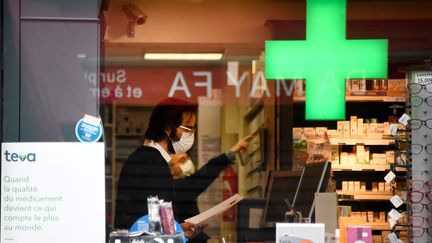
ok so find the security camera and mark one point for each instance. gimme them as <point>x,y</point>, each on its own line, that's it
<point>134,14</point>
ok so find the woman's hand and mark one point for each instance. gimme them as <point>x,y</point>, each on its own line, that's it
<point>190,230</point>
<point>174,164</point>
<point>241,144</point>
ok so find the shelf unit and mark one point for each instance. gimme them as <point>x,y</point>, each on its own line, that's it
<point>365,196</point>
<point>355,141</point>
<point>361,98</point>
<point>364,200</point>
<point>253,159</point>
<point>124,127</point>
<point>109,139</point>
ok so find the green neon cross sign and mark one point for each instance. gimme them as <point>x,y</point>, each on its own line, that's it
<point>325,59</point>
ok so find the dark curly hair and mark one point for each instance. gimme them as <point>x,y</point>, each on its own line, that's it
<point>167,114</point>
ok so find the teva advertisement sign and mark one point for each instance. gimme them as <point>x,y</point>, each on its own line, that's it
<point>52,192</point>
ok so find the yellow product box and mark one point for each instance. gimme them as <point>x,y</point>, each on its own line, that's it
<point>376,239</point>
<point>297,133</point>
<point>351,185</point>
<point>320,132</point>
<point>381,186</point>
<point>310,132</point>
<point>353,127</point>
<point>356,185</point>
<point>355,84</point>
<point>366,156</point>
<point>387,187</point>
<point>380,129</point>
<point>363,186</point>
<point>333,133</point>
<point>359,149</point>
<point>346,129</point>
<point>340,128</point>
<point>390,156</point>
<point>382,217</point>
<point>370,216</point>
<point>374,186</point>
<point>360,128</point>
<point>352,159</point>
<point>372,131</point>
<point>379,159</point>
<point>335,154</point>
<point>344,211</point>
<point>386,126</point>
<point>344,158</point>
<point>345,186</point>
<point>366,129</point>
<point>384,236</point>
<point>397,87</point>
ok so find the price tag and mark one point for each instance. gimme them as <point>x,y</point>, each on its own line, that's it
<point>404,119</point>
<point>393,128</point>
<point>390,177</point>
<point>394,214</point>
<point>422,77</point>
<point>392,222</point>
<point>396,201</point>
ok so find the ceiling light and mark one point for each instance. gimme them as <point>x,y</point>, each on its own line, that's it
<point>182,56</point>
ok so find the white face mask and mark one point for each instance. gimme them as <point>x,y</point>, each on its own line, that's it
<point>184,144</point>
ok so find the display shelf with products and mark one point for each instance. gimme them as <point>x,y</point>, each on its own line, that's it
<point>366,195</point>
<point>364,90</point>
<point>377,98</point>
<point>109,140</point>
<point>124,127</point>
<point>361,153</point>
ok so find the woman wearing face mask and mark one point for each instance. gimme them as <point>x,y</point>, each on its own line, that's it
<point>146,172</point>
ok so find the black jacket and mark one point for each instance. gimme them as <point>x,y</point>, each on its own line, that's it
<point>146,173</point>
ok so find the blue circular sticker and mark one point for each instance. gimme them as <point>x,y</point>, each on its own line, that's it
<point>88,130</point>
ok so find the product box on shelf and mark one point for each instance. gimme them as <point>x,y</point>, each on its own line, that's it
<point>335,155</point>
<point>332,133</point>
<point>310,132</point>
<point>353,127</point>
<point>359,234</point>
<point>376,239</point>
<point>339,129</point>
<point>346,129</point>
<point>397,87</point>
<point>363,186</point>
<point>360,128</point>
<point>320,132</point>
<point>368,87</point>
<point>297,133</point>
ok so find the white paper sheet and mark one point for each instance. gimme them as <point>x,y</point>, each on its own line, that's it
<point>205,216</point>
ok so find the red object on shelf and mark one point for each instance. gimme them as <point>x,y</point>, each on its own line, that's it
<point>229,188</point>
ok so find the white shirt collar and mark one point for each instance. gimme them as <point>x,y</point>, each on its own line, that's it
<point>165,155</point>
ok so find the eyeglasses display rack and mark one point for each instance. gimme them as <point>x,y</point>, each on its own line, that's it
<point>420,152</point>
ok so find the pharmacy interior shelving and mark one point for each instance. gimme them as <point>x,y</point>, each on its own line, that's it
<point>370,198</point>
<point>124,127</point>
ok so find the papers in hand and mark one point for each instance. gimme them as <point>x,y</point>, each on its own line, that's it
<point>205,216</point>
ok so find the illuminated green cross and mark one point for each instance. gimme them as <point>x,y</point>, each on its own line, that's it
<point>325,59</point>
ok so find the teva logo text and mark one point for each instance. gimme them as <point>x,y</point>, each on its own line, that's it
<point>15,157</point>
